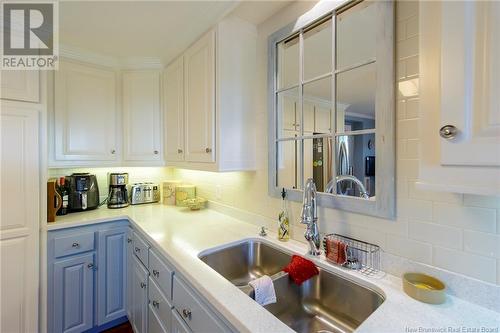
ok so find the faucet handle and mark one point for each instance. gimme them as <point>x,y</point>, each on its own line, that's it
<point>263,232</point>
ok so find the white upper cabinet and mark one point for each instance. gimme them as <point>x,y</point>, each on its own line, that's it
<point>20,85</point>
<point>85,113</point>
<point>199,83</point>
<point>210,122</point>
<point>173,84</point>
<point>141,115</point>
<point>460,104</point>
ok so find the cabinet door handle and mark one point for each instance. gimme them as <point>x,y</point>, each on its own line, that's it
<point>75,245</point>
<point>156,273</point>
<point>129,240</point>
<point>156,304</point>
<point>156,152</point>
<point>186,313</point>
<point>208,150</point>
<point>113,151</point>
<point>179,151</point>
<point>137,249</point>
<point>448,132</point>
<point>143,285</point>
<point>92,267</point>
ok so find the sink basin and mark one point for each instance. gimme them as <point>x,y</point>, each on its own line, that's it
<point>324,303</point>
<point>246,261</point>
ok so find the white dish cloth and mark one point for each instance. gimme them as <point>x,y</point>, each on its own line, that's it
<point>264,290</point>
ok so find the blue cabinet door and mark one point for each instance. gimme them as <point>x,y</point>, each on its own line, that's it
<point>74,294</point>
<point>111,274</point>
<point>139,297</point>
<point>130,255</point>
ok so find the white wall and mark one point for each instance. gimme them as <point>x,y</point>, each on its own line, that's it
<point>457,232</point>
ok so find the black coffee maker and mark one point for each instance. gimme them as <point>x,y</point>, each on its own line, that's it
<point>83,192</point>
<point>118,194</point>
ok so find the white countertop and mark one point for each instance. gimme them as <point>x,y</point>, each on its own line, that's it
<point>181,235</point>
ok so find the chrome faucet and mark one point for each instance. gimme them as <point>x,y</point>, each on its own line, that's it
<point>309,216</point>
<point>362,190</point>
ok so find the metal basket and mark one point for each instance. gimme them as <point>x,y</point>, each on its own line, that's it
<point>361,256</point>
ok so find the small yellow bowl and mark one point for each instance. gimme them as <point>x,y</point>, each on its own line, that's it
<point>424,288</point>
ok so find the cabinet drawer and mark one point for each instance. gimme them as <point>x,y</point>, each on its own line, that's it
<point>73,244</point>
<point>159,303</point>
<point>178,325</point>
<point>161,274</point>
<point>141,249</point>
<point>194,313</point>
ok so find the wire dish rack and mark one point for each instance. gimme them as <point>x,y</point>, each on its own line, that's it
<point>362,256</point>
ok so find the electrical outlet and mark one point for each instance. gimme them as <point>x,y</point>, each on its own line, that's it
<point>218,192</point>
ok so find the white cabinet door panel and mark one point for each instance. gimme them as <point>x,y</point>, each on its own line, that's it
<point>174,111</point>
<point>199,82</point>
<point>471,82</point>
<point>20,85</point>
<point>322,119</point>
<point>19,209</point>
<point>85,113</point>
<point>141,115</point>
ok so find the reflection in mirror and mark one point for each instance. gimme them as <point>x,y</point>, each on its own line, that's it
<point>317,105</point>
<point>356,39</point>
<point>318,50</point>
<point>288,113</point>
<point>287,166</point>
<point>318,161</point>
<point>288,63</point>
<point>356,90</point>
<point>355,165</point>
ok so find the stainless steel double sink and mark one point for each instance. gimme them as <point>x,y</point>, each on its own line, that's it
<point>324,303</point>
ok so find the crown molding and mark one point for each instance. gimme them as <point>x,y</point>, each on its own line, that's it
<point>128,63</point>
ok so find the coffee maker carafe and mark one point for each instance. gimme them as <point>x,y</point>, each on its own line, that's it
<point>118,195</point>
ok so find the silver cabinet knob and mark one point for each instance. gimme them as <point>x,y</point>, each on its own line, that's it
<point>75,245</point>
<point>208,150</point>
<point>137,249</point>
<point>156,304</point>
<point>186,313</point>
<point>448,132</point>
<point>143,285</point>
<point>129,240</point>
<point>113,151</point>
<point>156,152</point>
<point>156,273</point>
<point>91,266</point>
<point>179,151</point>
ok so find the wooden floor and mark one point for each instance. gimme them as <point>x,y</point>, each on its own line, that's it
<point>123,328</point>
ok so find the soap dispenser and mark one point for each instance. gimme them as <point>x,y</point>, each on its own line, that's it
<point>283,220</point>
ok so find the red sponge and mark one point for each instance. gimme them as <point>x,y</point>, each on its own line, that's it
<point>300,269</point>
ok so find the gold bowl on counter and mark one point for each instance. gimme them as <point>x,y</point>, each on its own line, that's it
<point>424,288</point>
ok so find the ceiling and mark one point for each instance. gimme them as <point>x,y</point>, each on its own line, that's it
<point>159,29</point>
<point>149,29</point>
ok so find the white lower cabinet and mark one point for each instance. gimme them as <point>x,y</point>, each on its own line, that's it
<point>194,313</point>
<point>160,300</point>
